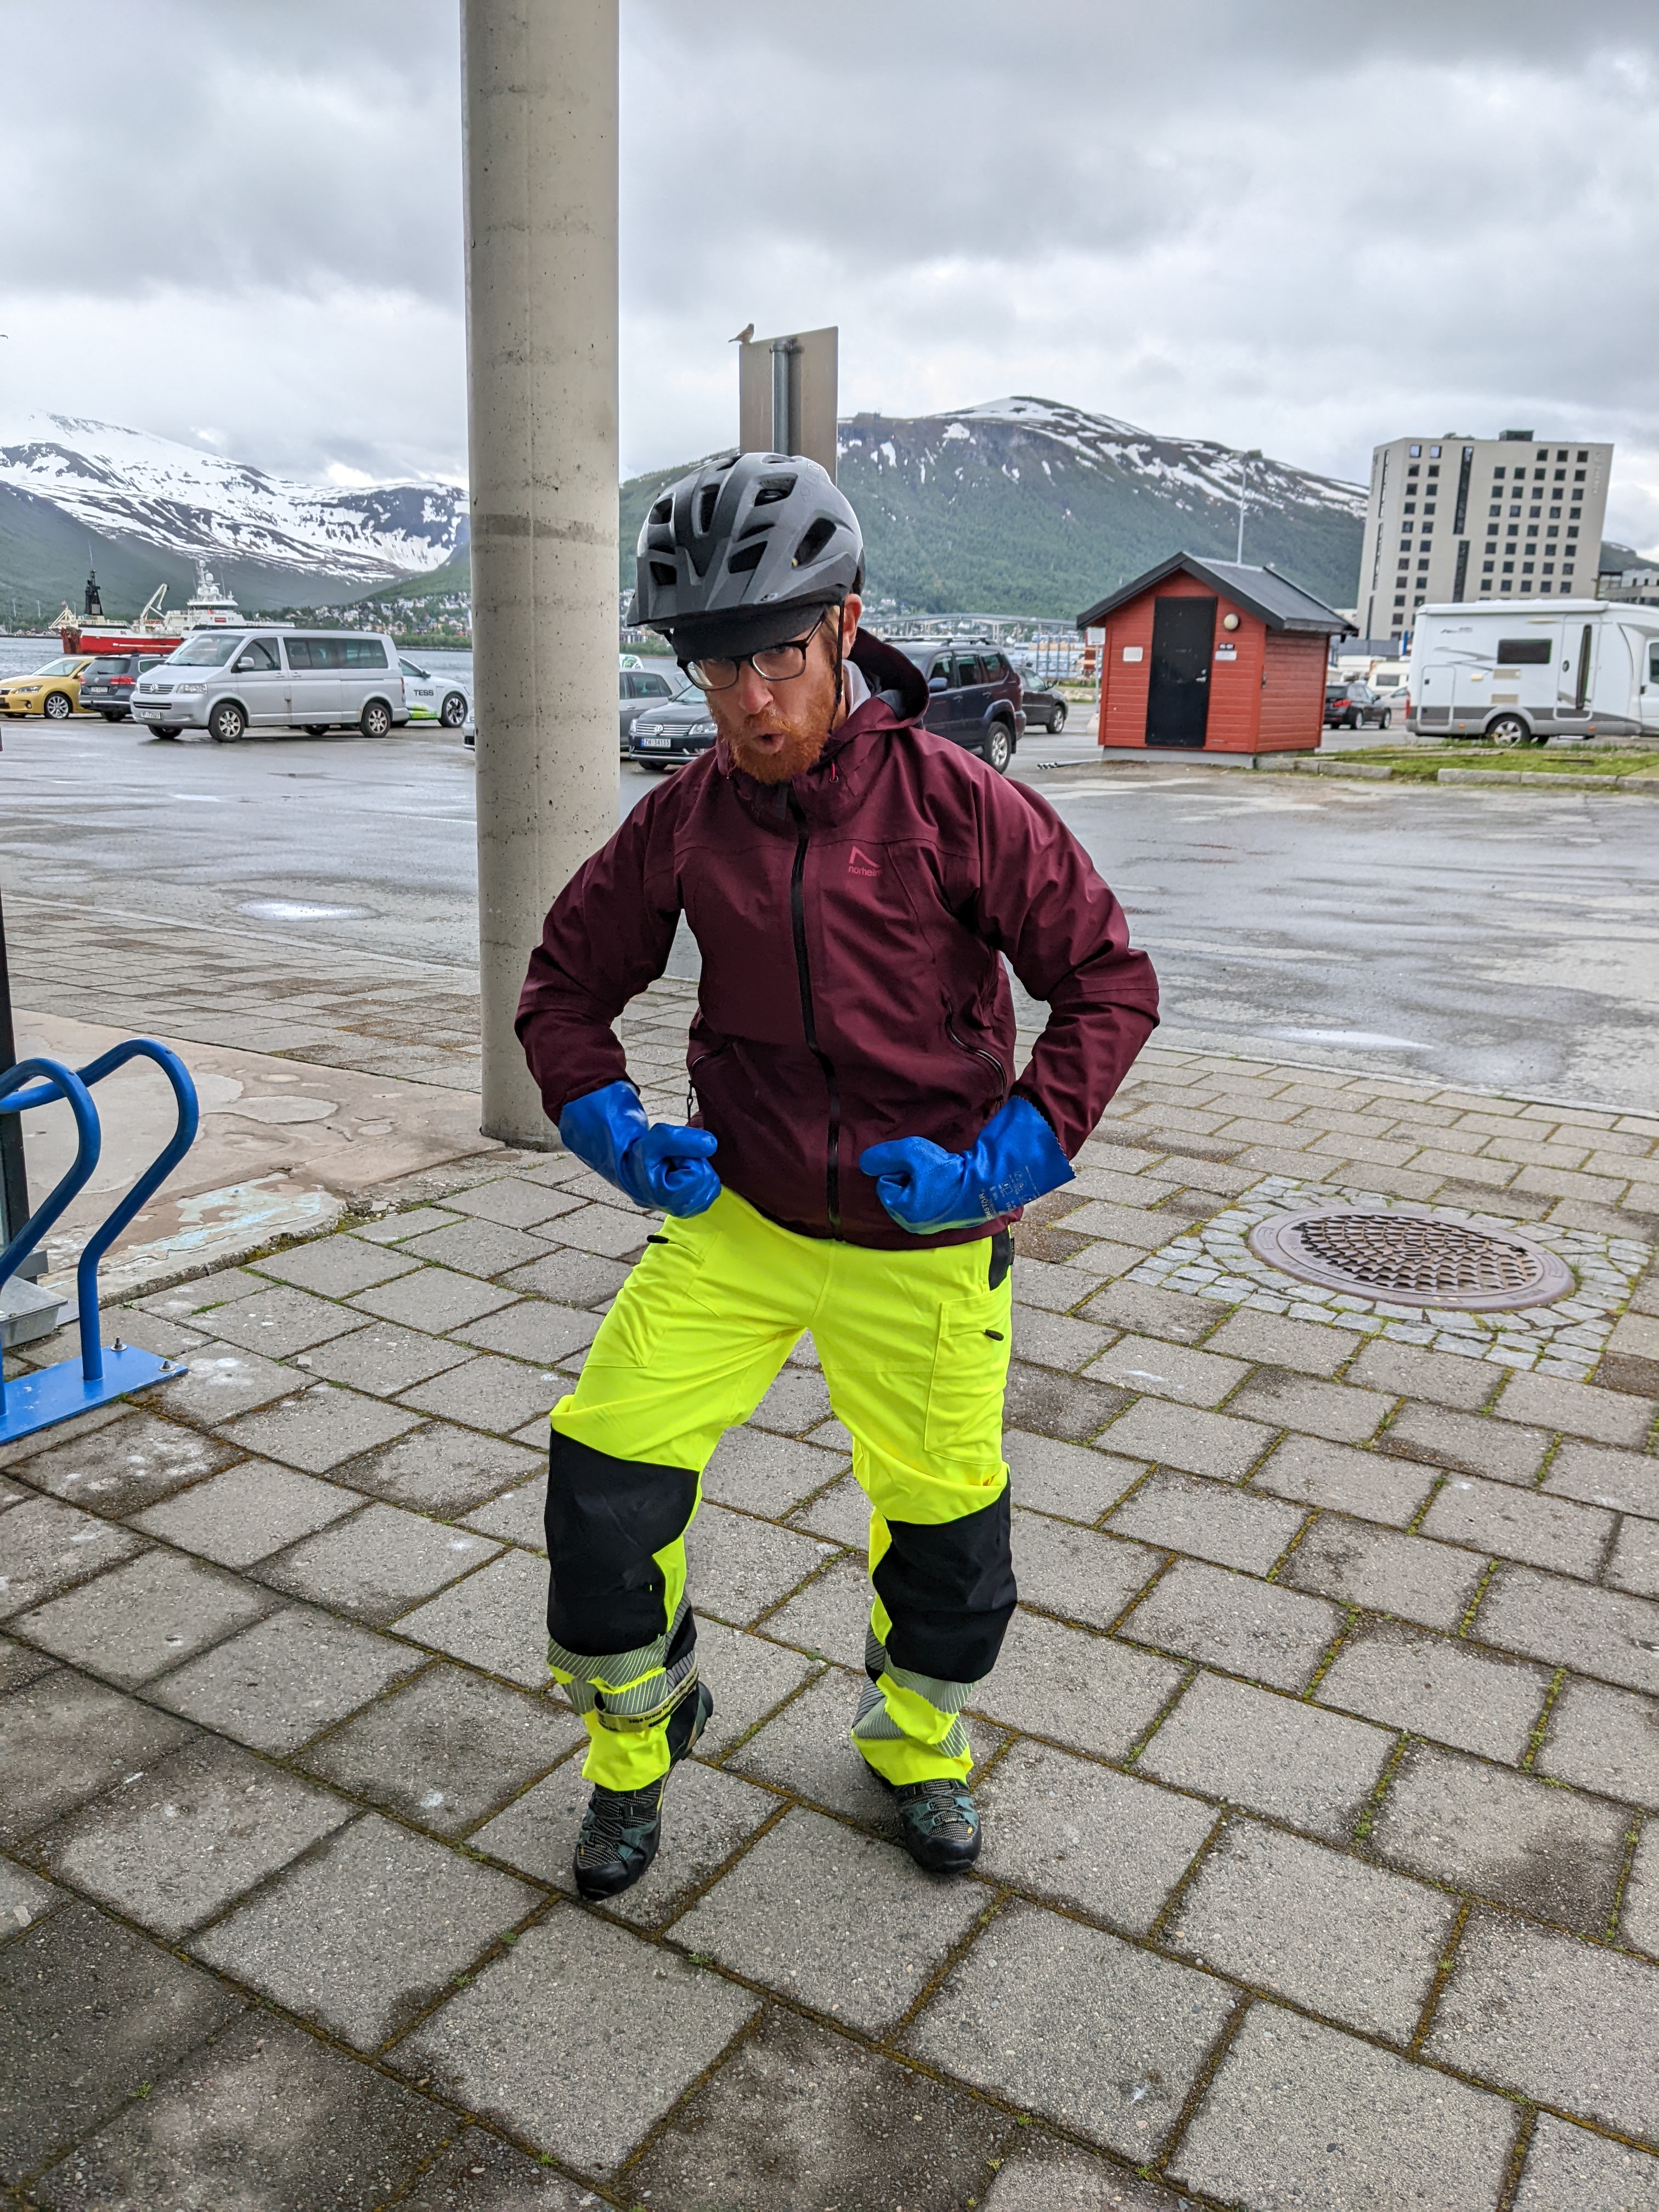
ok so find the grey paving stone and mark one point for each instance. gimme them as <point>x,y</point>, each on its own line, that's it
<point>277,1683</point>
<point>205,1292</point>
<point>534,1329</point>
<point>265,2116</point>
<point>171,1847</point>
<point>1472,1443</point>
<point>637,2023</point>
<point>435,1300</point>
<point>251,1509</point>
<point>802,2118</point>
<point>791,1914</point>
<point>1412,1370</point>
<point>1570,2170</point>
<point>570,1278</point>
<point>1051,1405</point>
<point>383,1358</point>
<point>142,1617</point>
<point>737,1566</point>
<point>1638,1918</point>
<point>607,1230</point>
<point>335,1266</point>
<point>1053,1286</point>
<point>479,2172</point>
<point>513,1203</point>
<point>24,1897</point>
<point>1076,1833</point>
<point>1330,1933</point>
<point>808,1749</point>
<point>482,1248</point>
<point>1626,1479</point>
<point>1582,1409</point>
<point>1634,1563</point>
<point>1508,1836</point>
<point>1336,1411</point>
<point>1568,2023</point>
<point>828,1618</point>
<point>224,1380</point>
<point>1299,2114</point>
<point>50,1546</point>
<point>19,1665</point>
<point>1182,1513</point>
<point>489,1392</point>
<point>64,1739</point>
<point>749,1678</point>
<point>495,1619</point>
<point>367,1930</point>
<point>412,1221</point>
<point>377,1564</point>
<point>1376,1488</point>
<point>1186,1437</point>
<point>1439,1686</point>
<point>1308,1347</point>
<point>1047,1339</point>
<point>1077,1572</point>
<point>320,1428</point>
<point>1083,1691</point>
<point>282,1321</point>
<point>1041,2175</point>
<point>799,1399</point>
<point>1406,1576</point>
<point>1597,1631</point>
<point>1076,2025</point>
<point>1234,1621</point>
<point>1167,1314</point>
<point>447,1750</point>
<point>517,1516</point>
<point>1161,1370</point>
<point>1605,1740</point>
<point>1269,1754</point>
<point>130,1463</point>
<point>440,1468</point>
<point>1519,1524</point>
<point>89,2012</point>
<point>842,1514</point>
<point>768,1474</point>
<point>1070,1480</point>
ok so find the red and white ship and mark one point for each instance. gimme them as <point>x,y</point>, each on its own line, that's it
<point>155,629</point>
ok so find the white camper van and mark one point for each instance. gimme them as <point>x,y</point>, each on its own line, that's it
<point>1519,673</point>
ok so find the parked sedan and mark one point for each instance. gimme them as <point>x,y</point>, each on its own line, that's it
<point>107,681</point>
<point>1045,710</point>
<point>53,690</point>
<point>639,688</point>
<point>669,733</point>
<point>1350,705</point>
<point>432,698</point>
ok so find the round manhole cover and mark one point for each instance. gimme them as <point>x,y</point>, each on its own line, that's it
<point>1413,1259</point>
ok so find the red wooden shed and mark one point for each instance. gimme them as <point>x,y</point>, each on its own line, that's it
<point>1212,656</point>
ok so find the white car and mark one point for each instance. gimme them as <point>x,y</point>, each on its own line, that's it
<point>435,698</point>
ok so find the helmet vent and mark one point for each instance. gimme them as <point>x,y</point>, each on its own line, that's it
<point>772,488</point>
<point>754,530</point>
<point>705,498</point>
<point>662,572</point>
<point>660,540</point>
<point>750,557</point>
<point>664,509</point>
<point>816,536</point>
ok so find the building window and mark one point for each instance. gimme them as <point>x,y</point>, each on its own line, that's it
<point>1527,567</point>
<point>1486,568</point>
<point>1526,587</point>
<point>1583,457</point>
<point>1434,452</point>
<point>1509,567</point>
<point>1573,513</point>
<point>1549,567</point>
<point>1532,530</point>
<point>1497,472</point>
<point>1571,532</point>
<point>1416,452</point>
<point>1421,566</point>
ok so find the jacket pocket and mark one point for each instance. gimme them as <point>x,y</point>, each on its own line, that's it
<point>654,1293</point>
<point>971,1375</point>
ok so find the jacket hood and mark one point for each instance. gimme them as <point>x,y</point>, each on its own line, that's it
<point>898,699</point>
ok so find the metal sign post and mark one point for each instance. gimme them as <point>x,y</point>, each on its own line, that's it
<point>788,395</point>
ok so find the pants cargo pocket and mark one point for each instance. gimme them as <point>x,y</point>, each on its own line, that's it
<point>970,1374</point>
<point>663,1278</point>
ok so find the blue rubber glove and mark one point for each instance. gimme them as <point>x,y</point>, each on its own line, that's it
<point>925,1189</point>
<point>662,1167</point>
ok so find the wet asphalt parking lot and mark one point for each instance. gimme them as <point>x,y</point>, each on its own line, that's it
<point>1506,939</point>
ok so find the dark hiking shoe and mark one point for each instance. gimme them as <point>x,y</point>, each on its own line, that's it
<point>939,1822</point>
<point>621,1828</point>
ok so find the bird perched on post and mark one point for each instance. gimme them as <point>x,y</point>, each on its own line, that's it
<point>743,335</point>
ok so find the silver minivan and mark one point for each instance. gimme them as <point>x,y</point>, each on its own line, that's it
<point>228,682</point>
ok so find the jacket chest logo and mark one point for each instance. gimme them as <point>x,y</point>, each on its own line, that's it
<point>860,864</point>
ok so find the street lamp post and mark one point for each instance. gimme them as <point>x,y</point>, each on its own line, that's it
<point>541,295</point>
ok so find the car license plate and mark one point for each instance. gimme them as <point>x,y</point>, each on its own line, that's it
<point>656,745</point>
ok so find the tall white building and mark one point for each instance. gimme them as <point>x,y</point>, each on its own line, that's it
<point>1501,518</point>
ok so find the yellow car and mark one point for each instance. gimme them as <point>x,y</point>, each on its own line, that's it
<point>53,690</point>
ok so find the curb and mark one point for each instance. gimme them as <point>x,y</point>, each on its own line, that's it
<point>1644,783</point>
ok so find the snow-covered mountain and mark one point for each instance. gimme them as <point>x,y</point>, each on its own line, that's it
<point>155,494</point>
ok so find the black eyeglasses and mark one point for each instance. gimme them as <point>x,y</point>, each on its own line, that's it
<point>773,664</point>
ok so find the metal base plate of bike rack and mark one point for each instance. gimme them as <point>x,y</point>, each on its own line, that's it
<point>50,1395</point>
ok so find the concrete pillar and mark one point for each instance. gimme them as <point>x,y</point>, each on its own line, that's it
<point>541,266</point>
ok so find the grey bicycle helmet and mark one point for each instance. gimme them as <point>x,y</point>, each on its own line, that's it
<point>732,555</point>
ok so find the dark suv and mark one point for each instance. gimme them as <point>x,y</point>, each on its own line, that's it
<point>975,696</point>
<point>108,680</point>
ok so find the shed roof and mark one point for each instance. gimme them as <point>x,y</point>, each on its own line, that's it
<point>1271,598</point>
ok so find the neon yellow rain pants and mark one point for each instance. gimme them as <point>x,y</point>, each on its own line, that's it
<point>915,1350</point>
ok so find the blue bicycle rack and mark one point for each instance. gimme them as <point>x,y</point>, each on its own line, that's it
<point>50,1395</point>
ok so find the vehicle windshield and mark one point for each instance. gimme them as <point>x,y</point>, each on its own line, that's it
<point>409,668</point>
<point>65,664</point>
<point>207,649</point>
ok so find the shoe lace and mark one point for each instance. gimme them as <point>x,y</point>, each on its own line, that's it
<point>941,1804</point>
<point>610,1814</point>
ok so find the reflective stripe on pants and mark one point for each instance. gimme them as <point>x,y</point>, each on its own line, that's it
<point>915,1350</point>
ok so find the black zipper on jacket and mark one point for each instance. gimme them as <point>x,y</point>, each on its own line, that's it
<point>804,978</point>
<point>980,1053</point>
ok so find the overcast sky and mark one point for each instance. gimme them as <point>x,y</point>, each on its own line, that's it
<point>1297,225</point>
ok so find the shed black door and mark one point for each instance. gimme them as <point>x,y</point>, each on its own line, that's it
<point>1178,695</point>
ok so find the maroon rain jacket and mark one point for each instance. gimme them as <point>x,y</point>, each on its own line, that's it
<point>850,922</point>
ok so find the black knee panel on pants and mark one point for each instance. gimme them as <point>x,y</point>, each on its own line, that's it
<point>604,1519</point>
<point>948,1591</point>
